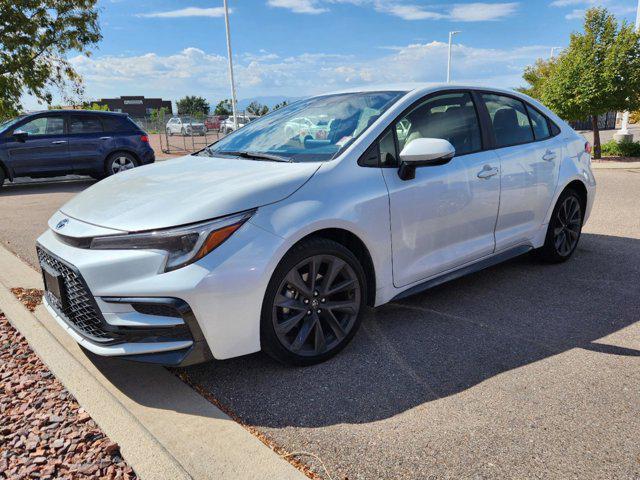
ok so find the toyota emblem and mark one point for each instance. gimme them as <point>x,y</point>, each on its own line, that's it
<point>62,223</point>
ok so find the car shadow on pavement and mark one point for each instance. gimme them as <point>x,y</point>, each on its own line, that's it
<point>443,341</point>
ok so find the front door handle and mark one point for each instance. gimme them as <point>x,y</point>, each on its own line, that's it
<point>58,142</point>
<point>488,172</point>
<point>549,156</point>
<point>105,138</point>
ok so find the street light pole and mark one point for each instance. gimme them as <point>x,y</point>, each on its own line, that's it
<point>624,130</point>
<point>451,34</point>
<point>231,80</point>
<point>553,50</point>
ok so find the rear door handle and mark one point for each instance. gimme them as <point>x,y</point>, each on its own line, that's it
<point>58,142</point>
<point>549,156</point>
<point>488,172</point>
<point>105,138</point>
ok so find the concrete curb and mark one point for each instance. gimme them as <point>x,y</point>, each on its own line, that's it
<point>165,430</point>
<point>615,165</point>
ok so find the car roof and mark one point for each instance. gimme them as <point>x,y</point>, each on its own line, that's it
<point>93,112</point>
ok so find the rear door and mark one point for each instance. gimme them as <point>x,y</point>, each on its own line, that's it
<point>88,142</point>
<point>444,217</point>
<point>45,151</point>
<point>530,158</point>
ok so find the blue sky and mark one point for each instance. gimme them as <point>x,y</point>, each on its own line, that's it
<point>172,48</point>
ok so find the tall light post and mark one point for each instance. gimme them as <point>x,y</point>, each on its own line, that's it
<point>553,51</point>
<point>451,34</point>
<point>231,80</point>
<point>624,134</point>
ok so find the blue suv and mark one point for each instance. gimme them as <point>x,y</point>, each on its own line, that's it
<point>62,142</point>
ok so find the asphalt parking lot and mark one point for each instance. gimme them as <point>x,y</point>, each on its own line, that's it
<point>520,371</point>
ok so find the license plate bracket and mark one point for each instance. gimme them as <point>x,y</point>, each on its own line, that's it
<point>54,284</point>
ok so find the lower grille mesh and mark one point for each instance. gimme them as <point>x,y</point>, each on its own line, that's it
<point>80,310</point>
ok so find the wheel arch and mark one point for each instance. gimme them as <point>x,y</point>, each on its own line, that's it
<point>355,244</point>
<point>581,189</point>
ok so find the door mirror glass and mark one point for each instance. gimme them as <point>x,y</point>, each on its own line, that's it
<point>424,152</point>
<point>20,136</point>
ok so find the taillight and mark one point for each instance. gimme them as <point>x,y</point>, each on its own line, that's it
<point>144,138</point>
<point>588,148</point>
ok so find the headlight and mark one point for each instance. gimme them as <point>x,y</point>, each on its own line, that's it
<point>183,245</point>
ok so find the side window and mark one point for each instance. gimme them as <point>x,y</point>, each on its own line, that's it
<point>84,124</point>
<point>43,126</point>
<point>451,116</point>
<point>539,123</point>
<point>112,124</point>
<point>510,120</point>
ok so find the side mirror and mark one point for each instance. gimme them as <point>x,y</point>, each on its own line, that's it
<point>424,152</point>
<point>20,136</point>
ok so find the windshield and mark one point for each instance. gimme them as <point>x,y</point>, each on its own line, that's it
<point>310,130</point>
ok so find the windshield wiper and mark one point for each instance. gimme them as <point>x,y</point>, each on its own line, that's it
<point>260,155</point>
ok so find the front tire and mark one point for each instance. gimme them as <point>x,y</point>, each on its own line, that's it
<point>119,162</point>
<point>314,302</point>
<point>565,228</point>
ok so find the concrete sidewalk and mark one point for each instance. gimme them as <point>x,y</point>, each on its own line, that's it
<point>165,429</point>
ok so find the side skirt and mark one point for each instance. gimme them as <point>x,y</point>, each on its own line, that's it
<point>474,267</point>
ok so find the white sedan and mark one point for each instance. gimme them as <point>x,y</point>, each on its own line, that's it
<point>267,241</point>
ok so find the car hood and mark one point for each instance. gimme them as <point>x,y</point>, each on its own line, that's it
<point>186,190</point>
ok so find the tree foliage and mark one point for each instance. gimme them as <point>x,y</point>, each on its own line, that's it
<point>257,108</point>
<point>35,36</point>
<point>598,73</point>
<point>95,106</point>
<point>193,105</point>
<point>223,107</point>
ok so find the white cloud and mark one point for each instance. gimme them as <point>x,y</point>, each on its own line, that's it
<point>479,12</point>
<point>195,72</point>
<point>187,12</point>
<point>469,12</point>
<point>579,7</point>
<point>298,6</point>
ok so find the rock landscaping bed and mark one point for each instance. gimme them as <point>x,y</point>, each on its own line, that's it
<point>44,433</point>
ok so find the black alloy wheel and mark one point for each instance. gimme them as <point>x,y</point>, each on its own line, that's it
<point>565,228</point>
<point>314,303</point>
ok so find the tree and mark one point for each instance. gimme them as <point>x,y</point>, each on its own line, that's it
<point>158,114</point>
<point>258,109</point>
<point>192,105</point>
<point>284,103</point>
<point>598,73</point>
<point>536,75</point>
<point>223,107</point>
<point>35,36</point>
<point>95,106</point>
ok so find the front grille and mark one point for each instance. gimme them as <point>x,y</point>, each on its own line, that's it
<point>80,309</point>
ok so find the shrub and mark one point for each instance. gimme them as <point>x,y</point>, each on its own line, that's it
<point>621,149</point>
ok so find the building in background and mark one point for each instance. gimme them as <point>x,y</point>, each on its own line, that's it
<point>136,106</point>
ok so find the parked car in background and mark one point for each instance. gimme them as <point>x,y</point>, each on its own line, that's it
<point>213,123</point>
<point>227,125</point>
<point>279,244</point>
<point>185,126</point>
<point>62,142</point>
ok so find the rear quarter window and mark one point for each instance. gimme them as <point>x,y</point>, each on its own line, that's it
<point>118,124</point>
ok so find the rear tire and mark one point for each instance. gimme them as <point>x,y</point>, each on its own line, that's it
<point>2,177</point>
<point>314,303</point>
<point>565,228</point>
<point>120,162</point>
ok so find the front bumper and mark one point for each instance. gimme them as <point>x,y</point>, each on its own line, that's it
<point>154,330</point>
<point>224,292</point>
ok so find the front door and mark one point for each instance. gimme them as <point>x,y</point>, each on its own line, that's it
<point>530,159</point>
<point>45,150</point>
<point>445,217</point>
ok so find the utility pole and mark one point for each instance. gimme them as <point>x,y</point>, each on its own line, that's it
<point>231,80</point>
<point>451,34</point>
<point>624,134</point>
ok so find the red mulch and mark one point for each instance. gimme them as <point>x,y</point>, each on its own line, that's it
<point>44,433</point>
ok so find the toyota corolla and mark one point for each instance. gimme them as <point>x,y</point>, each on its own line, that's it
<point>278,241</point>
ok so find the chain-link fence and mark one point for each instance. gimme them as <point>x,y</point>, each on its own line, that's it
<point>183,134</point>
